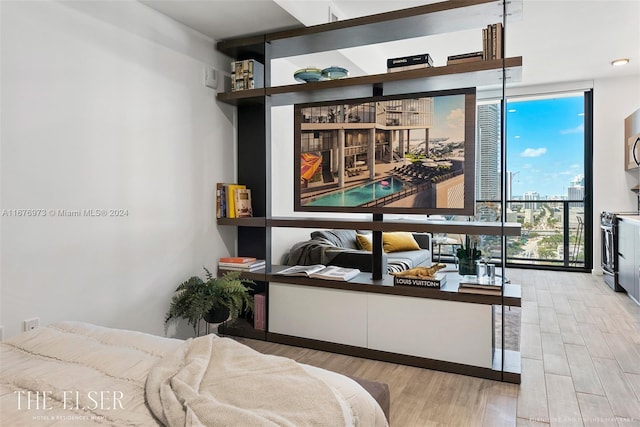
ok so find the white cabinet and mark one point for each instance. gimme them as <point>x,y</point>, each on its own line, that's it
<point>450,331</point>
<point>436,329</point>
<point>629,257</point>
<point>332,315</point>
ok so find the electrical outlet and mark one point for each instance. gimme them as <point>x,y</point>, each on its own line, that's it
<point>29,324</point>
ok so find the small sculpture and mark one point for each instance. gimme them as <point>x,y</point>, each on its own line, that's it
<point>421,272</point>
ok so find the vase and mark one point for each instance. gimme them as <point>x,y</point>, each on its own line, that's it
<point>217,315</point>
<point>467,267</point>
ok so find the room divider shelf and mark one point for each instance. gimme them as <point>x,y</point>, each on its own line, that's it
<point>254,166</point>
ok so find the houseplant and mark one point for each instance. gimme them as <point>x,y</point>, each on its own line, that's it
<point>215,299</point>
<point>468,253</point>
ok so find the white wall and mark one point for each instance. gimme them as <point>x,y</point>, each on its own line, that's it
<point>103,107</point>
<point>614,100</point>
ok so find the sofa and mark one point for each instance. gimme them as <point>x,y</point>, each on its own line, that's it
<point>348,248</point>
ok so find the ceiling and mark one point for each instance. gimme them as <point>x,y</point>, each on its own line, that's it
<point>559,40</point>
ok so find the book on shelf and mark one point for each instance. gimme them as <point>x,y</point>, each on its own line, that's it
<point>319,271</point>
<point>246,266</point>
<point>246,74</point>
<point>492,41</point>
<point>408,67</point>
<point>465,57</point>
<point>259,312</point>
<point>242,200</point>
<point>237,259</point>
<point>437,281</point>
<point>403,61</point>
<point>474,285</point>
<point>233,201</point>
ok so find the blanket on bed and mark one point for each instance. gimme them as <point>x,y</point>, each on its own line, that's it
<point>217,381</point>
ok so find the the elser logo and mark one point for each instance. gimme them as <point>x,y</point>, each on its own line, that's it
<point>103,400</point>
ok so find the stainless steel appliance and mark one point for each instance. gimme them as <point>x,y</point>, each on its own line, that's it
<point>609,249</point>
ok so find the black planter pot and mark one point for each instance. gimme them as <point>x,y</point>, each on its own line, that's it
<point>217,315</point>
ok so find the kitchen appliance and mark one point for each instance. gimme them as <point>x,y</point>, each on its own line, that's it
<point>609,249</point>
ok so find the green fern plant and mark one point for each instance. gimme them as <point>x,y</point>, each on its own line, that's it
<point>195,298</point>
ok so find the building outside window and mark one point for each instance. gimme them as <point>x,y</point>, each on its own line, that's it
<point>547,144</point>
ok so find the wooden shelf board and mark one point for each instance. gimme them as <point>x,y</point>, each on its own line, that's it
<point>241,97</point>
<point>243,222</point>
<point>460,227</point>
<point>420,21</point>
<point>471,74</point>
<point>364,283</point>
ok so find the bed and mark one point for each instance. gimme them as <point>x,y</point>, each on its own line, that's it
<point>72,373</point>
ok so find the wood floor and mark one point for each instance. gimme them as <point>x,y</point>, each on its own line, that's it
<point>580,348</point>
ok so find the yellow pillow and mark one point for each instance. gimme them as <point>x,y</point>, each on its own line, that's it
<point>364,241</point>
<point>399,241</point>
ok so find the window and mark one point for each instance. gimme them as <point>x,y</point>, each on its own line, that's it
<point>548,191</point>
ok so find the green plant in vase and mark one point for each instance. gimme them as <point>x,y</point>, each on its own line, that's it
<point>468,253</point>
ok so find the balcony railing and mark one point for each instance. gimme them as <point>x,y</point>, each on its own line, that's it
<point>553,233</point>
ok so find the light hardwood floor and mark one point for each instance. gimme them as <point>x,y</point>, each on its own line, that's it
<point>580,349</point>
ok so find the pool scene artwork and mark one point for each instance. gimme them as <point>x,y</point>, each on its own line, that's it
<point>401,154</point>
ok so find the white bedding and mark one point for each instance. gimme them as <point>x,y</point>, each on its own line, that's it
<point>77,374</point>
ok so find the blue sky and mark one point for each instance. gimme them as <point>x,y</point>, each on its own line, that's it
<point>448,120</point>
<point>545,144</point>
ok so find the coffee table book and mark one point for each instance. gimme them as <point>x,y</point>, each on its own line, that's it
<point>473,285</point>
<point>319,271</point>
<point>435,282</point>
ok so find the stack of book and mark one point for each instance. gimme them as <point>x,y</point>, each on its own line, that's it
<point>465,57</point>
<point>233,201</point>
<point>437,281</point>
<point>491,47</point>
<point>492,41</point>
<point>473,285</point>
<point>241,263</point>
<point>246,74</point>
<point>411,62</point>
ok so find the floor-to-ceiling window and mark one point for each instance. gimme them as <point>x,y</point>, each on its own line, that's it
<point>548,178</point>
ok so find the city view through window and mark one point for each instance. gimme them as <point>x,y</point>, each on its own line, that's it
<point>545,184</point>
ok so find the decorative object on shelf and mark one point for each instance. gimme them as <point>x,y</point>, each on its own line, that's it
<point>467,255</point>
<point>334,72</point>
<point>410,62</point>
<point>309,74</point>
<point>421,276</point>
<point>196,299</point>
<point>246,74</point>
<point>492,41</point>
<point>242,202</point>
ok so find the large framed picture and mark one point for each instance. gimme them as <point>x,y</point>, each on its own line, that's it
<point>411,153</point>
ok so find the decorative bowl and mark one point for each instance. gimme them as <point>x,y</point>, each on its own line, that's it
<point>309,74</point>
<point>335,73</point>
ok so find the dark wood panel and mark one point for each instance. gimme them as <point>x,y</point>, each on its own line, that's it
<point>244,222</point>
<point>243,97</point>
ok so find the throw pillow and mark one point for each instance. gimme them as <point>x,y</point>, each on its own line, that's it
<point>399,241</point>
<point>364,241</point>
